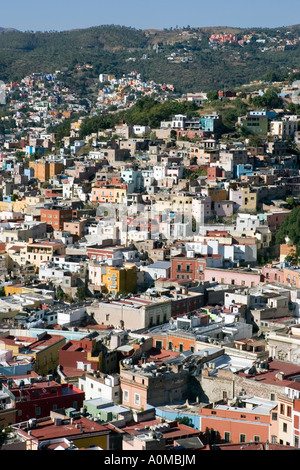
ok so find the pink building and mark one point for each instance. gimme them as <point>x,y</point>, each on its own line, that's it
<point>272,274</point>
<point>240,277</point>
<point>214,172</point>
<point>139,388</point>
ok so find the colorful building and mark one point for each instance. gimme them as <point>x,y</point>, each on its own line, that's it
<point>37,253</point>
<point>36,397</point>
<point>109,194</point>
<point>82,432</point>
<point>44,170</point>
<point>76,357</point>
<point>253,422</point>
<point>239,277</point>
<point>139,388</point>
<point>120,279</point>
<point>56,216</point>
<point>43,349</point>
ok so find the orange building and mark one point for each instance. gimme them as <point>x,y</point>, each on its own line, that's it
<point>75,227</point>
<point>240,424</point>
<point>56,216</point>
<point>109,194</point>
<point>44,170</point>
<point>291,277</point>
<point>177,343</point>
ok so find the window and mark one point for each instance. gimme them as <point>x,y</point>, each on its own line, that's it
<point>284,427</point>
<point>281,409</point>
<point>137,399</point>
<point>125,395</point>
<point>38,411</point>
<point>289,411</point>
<point>227,436</point>
<point>242,437</point>
<point>256,438</point>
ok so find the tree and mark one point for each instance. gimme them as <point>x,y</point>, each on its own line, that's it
<point>60,295</point>
<point>185,420</point>
<point>290,227</point>
<point>212,95</point>
<point>293,257</point>
<point>81,293</point>
<point>291,202</point>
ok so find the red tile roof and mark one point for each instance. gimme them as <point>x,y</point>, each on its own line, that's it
<point>289,370</point>
<point>49,430</point>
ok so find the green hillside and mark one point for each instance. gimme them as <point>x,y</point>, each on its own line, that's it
<point>181,57</point>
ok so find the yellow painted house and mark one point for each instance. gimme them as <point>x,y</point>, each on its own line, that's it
<point>120,279</point>
<point>249,199</point>
<point>44,350</point>
<point>13,289</point>
<point>16,206</point>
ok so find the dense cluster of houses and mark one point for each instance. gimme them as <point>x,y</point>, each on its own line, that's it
<point>144,303</point>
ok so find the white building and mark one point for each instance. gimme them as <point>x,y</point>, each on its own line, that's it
<point>73,190</point>
<point>71,315</point>
<point>160,269</point>
<point>102,386</point>
<point>286,127</point>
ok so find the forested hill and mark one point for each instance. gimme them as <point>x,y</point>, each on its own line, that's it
<point>183,57</point>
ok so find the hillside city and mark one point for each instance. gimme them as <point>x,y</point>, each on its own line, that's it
<point>150,273</point>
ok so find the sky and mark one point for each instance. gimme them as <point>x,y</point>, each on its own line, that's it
<point>62,15</point>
